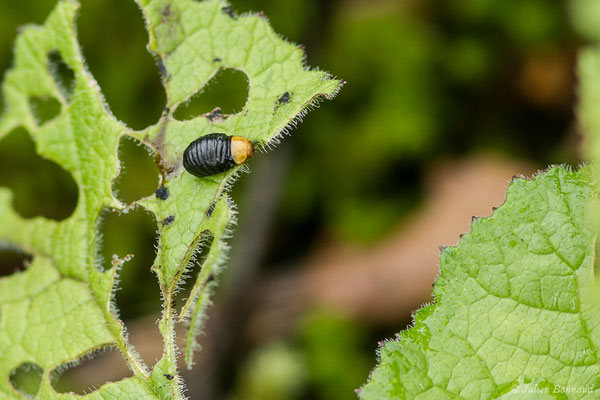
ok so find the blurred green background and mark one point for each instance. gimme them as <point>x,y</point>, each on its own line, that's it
<point>427,81</point>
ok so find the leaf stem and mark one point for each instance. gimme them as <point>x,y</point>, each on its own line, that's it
<point>167,329</point>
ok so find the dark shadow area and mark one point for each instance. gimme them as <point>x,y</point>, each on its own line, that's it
<point>26,378</point>
<point>228,90</point>
<point>63,75</point>
<point>40,187</point>
<point>13,259</point>
<point>44,108</point>
<point>139,176</point>
<point>134,233</point>
<point>113,39</point>
<point>91,372</point>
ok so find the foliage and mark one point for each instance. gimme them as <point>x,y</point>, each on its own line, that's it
<point>516,310</point>
<point>516,304</point>
<point>585,15</point>
<point>61,308</point>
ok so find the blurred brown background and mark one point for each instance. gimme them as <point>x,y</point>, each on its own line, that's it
<point>339,228</point>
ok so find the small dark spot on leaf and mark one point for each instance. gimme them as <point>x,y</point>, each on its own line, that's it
<point>169,377</point>
<point>162,193</point>
<point>229,11</point>
<point>162,68</point>
<point>166,11</point>
<point>211,278</point>
<point>166,111</point>
<point>217,59</point>
<point>168,221</point>
<point>214,114</point>
<point>284,99</point>
<point>211,209</point>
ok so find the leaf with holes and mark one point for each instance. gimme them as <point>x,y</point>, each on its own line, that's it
<point>60,308</point>
<point>516,309</point>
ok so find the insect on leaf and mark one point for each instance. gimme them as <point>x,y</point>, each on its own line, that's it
<point>60,308</point>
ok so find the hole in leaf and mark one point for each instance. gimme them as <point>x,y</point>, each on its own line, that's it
<point>40,187</point>
<point>132,233</point>
<point>228,90</point>
<point>90,372</point>
<point>139,175</point>
<point>191,274</point>
<point>13,259</point>
<point>26,378</point>
<point>44,108</point>
<point>63,75</point>
<point>115,51</point>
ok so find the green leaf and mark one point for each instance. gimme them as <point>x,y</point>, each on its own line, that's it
<point>516,305</point>
<point>61,308</point>
<point>585,15</point>
<point>589,99</point>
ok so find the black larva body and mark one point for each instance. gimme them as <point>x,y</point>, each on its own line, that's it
<point>215,153</point>
<point>209,155</point>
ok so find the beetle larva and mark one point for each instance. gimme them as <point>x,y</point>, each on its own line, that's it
<point>215,153</point>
